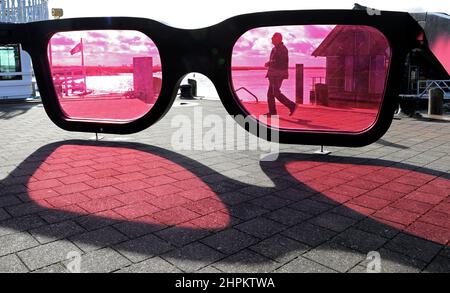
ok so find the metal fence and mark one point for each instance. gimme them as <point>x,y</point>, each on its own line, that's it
<point>21,11</point>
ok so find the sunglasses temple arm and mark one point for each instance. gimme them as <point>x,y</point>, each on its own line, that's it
<point>436,29</point>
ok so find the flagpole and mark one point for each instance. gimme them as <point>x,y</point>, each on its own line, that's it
<point>82,65</point>
<point>50,53</point>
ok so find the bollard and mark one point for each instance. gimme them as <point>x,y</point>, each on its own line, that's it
<point>299,83</point>
<point>143,79</point>
<point>321,91</point>
<point>193,84</point>
<point>186,92</point>
<point>312,98</point>
<point>436,102</point>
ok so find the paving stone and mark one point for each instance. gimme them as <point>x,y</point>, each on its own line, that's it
<point>4,215</point>
<point>246,261</point>
<point>333,222</point>
<point>397,216</point>
<point>100,220</point>
<point>225,186</point>
<point>206,206</point>
<point>11,200</point>
<point>348,212</point>
<point>55,232</point>
<point>139,228</point>
<point>16,242</point>
<point>439,265</point>
<point>336,257</point>
<point>246,211</point>
<point>182,236</point>
<point>143,248</point>
<point>309,234</point>
<point>153,265</point>
<point>293,194</point>
<point>47,254</point>
<point>193,257</point>
<point>413,247</point>
<point>288,216</point>
<point>103,261</point>
<point>327,200</point>
<point>393,262</point>
<point>14,190</point>
<point>271,202</point>
<point>303,265</point>
<point>359,269</point>
<point>215,222</point>
<point>98,239</point>
<point>25,209</point>
<point>209,270</point>
<point>175,216</point>
<point>311,207</point>
<point>445,252</point>
<point>58,268</point>
<point>376,227</point>
<point>57,216</point>
<point>20,224</point>
<point>360,240</point>
<point>12,264</point>
<point>234,198</point>
<point>229,241</point>
<point>430,232</point>
<point>261,227</point>
<point>256,191</point>
<point>280,248</point>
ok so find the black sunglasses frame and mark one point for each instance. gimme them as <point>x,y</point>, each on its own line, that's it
<point>209,51</point>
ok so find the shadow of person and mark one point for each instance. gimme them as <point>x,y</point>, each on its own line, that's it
<point>146,201</point>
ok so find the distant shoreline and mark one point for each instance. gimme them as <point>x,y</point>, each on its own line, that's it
<point>245,68</point>
<point>114,70</point>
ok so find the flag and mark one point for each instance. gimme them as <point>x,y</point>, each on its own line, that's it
<point>76,49</point>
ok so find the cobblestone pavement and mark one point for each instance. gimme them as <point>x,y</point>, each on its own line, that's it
<point>133,204</point>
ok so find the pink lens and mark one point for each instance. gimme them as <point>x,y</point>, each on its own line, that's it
<point>314,77</point>
<point>105,75</point>
<point>441,49</point>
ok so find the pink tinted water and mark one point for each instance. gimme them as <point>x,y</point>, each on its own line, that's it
<point>257,81</point>
<point>345,70</point>
<point>105,75</point>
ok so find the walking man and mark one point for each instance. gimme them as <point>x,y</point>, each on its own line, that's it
<point>278,70</point>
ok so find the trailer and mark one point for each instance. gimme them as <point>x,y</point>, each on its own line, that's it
<point>16,72</point>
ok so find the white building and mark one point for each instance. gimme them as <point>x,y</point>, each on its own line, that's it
<point>16,72</point>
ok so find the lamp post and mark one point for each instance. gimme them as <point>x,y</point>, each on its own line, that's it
<point>57,13</point>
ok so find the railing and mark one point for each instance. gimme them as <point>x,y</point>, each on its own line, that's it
<point>424,86</point>
<point>315,79</point>
<point>252,94</point>
<point>69,80</point>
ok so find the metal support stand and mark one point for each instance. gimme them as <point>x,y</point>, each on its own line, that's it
<point>322,151</point>
<point>398,114</point>
<point>97,137</point>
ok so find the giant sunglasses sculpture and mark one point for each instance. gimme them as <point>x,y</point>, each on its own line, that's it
<point>335,73</point>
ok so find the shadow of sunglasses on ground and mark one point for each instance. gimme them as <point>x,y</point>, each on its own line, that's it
<point>146,201</point>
